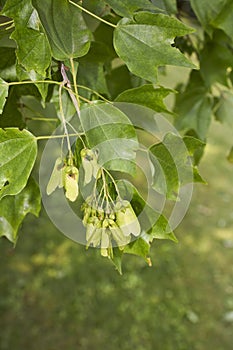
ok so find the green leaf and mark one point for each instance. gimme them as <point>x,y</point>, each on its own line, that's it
<point>225,108</point>
<point>194,107</point>
<point>168,6</point>
<point>67,105</point>
<point>138,247</point>
<point>149,37</point>
<point>119,79</point>
<point>3,94</point>
<point>230,155</point>
<point>207,11</point>
<point>32,75</point>
<point>110,132</point>
<point>126,8</point>
<point>33,50</point>
<point>215,69</point>
<point>13,210</point>
<point>18,150</point>
<point>153,224</point>
<point>116,259</point>
<point>147,95</point>
<point>162,230</point>
<point>7,64</point>
<point>11,117</point>
<point>91,70</point>
<point>99,8</point>
<point>172,164</point>
<point>65,27</point>
<point>224,18</point>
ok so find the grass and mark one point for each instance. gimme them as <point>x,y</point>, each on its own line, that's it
<point>55,295</point>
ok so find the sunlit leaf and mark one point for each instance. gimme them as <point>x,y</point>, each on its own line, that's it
<point>147,95</point>
<point>18,150</point>
<point>33,50</point>
<point>150,37</point>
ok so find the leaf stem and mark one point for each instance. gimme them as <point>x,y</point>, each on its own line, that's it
<point>6,23</point>
<point>92,14</point>
<point>113,181</point>
<point>74,80</point>
<point>64,121</point>
<point>42,119</point>
<point>47,82</point>
<point>95,92</point>
<point>54,137</point>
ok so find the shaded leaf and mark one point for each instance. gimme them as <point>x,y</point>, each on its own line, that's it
<point>225,107</point>
<point>3,93</point>
<point>91,70</point>
<point>126,8</point>
<point>13,210</point>
<point>207,11</point>
<point>7,64</point>
<point>215,69</point>
<point>11,117</point>
<point>118,80</point>
<point>18,150</point>
<point>150,37</point>
<point>172,164</point>
<point>65,27</point>
<point>168,6</point>
<point>224,18</point>
<point>99,8</point>
<point>194,107</point>
<point>110,132</point>
<point>148,96</point>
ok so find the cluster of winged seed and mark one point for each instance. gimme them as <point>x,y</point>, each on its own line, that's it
<point>108,229</point>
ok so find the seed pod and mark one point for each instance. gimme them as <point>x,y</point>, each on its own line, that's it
<point>105,242</point>
<point>90,165</point>
<point>87,214</point>
<point>118,235</point>
<point>70,182</point>
<point>127,220</point>
<point>56,177</point>
<point>92,225</point>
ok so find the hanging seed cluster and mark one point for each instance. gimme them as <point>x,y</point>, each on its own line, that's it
<point>110,228</point>
<point>108,222</point>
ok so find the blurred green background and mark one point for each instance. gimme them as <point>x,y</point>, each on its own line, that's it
<point>56,296</point>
